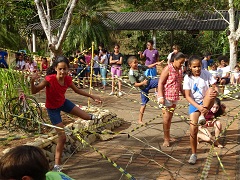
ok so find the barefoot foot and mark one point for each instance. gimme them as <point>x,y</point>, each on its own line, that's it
<point>140,122</point>
<point>173,139</point>
<point>166,144</point>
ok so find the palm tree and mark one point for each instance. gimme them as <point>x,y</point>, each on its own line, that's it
<point>87,25</point>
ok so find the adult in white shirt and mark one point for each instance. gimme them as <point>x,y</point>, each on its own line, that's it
<point>223,71</point>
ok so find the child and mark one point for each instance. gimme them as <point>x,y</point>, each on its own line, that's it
<point>217,110</point>
<point>224,72</point>
<point>138,79</point>
<point>27,163</point>
<point>205,60</point>
<point>116,60</point>
<point>56,82</point>
<point>235,77</point>
<point>169,86</point>
<point>214,72</point>
<point>44,65</point>
<point>200,97</point>
<point>96,67</point>
<point>103,68</point>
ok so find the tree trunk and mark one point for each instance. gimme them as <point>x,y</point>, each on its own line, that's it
<point>55,42</point>
<point>234,36</point>
<point>233,44</point>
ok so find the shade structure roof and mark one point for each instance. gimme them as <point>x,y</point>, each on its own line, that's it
<point>159,20</point>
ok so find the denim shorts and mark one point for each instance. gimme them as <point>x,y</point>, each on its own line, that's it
<point>54,114</point>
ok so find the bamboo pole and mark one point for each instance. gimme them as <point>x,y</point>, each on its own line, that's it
<point>91,74</point>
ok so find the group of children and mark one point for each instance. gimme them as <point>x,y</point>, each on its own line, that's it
<point>199,87</point>
<point>223,74</point>
<point>27,64</point>
<point>102,60</point>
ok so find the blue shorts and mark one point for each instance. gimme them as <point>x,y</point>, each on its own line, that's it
<point>153,83</point>
<point>151,72</point>
<point>192,108</point>
<point>88,69</point>
<point>54,114</point>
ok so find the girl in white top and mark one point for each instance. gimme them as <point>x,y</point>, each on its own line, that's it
<point>200,97</point>
<point>235,77</point>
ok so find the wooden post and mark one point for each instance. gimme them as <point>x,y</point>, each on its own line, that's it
<point>91,74</point>
<point>34,41</point>
<point>154,39</point>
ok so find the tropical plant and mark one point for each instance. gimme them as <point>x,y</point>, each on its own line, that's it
<point>87,25</point>
<point>11,82</point>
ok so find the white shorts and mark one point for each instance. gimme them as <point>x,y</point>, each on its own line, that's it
<point>168,103</point>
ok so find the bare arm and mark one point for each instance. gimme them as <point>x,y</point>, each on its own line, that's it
<point>120,61</point>
<point>36,88</point>
<point>162,80</point>
<point>191,100</point>
<point>154,64</point>
<point>141,54</point>
<point>141,83</point>
<point>83,93</point>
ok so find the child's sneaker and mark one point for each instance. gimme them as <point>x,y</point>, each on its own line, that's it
<point>201,120</point>
<point>111,93</point>
<point>120,93</point>
<point>57,168</point>
<point>192,160</point>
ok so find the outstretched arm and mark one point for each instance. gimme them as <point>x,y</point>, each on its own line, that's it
<point>83,93</point>
<point>36,88</point>
<point>154,64</point>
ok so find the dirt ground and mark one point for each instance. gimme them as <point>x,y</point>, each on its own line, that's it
<point>77,99</point>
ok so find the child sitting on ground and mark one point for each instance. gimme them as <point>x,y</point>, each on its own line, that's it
<point>138,79</point>
<point>214,72</point>
<point>235,76</point>
<point>217,110</point>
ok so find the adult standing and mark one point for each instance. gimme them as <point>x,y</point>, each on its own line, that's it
<point>223,71</point>
<point>152,56</point>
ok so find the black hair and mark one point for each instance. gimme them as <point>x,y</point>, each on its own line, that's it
<point>207,54</point>
<point>224,58</point>
<point>177,56</point>
<point>101,44</point>
<point>190,60</point>
<point>220,110</point>
<point>150,41</point>
<point>131,59</point>
<point>104,50</point>
<point>71,58</point>
<point>237,66</point>
<point>95,52</point>
<point>59,59</point>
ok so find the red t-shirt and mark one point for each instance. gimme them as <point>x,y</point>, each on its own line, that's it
<point>55,93</point>
<point>44,67</point>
